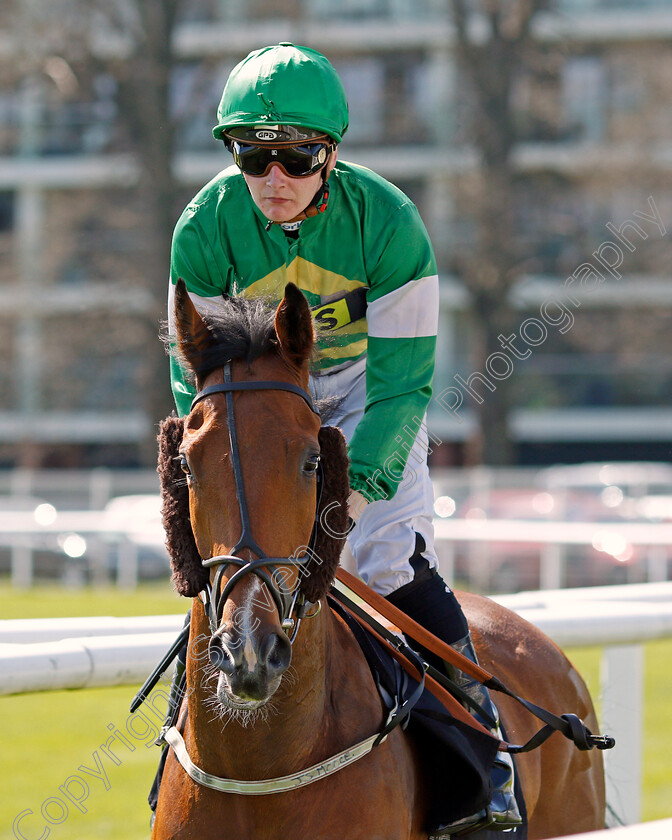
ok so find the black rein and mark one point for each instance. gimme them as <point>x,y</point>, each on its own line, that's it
<point>286,600</point>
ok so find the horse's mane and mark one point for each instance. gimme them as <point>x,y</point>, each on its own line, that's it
<point>241,328</point>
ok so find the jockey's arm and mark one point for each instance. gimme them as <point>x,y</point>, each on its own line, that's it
<point>402,320</point>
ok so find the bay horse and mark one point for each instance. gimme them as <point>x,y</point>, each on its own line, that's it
<point>277,685</point>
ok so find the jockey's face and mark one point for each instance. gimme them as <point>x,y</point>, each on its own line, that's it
<point>282,198</point>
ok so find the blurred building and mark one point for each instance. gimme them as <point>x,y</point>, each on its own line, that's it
<point>596,125</point>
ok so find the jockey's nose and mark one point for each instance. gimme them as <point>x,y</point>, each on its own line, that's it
<point>276,175</point>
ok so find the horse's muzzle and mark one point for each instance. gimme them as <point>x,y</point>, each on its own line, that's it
<point>252,667</point>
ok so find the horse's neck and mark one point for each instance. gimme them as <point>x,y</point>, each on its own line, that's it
<point>324,704</point>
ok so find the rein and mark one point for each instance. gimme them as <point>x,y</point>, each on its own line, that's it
<point>570,725</point>
<point>288,603</point>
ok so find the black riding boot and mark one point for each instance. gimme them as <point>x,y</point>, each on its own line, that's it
<point>503,813</point>
<point>428,600</point>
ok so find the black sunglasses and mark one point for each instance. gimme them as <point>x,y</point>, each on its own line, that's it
<point>298,161</point>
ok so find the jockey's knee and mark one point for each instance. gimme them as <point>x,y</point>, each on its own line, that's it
<point>429,600</point>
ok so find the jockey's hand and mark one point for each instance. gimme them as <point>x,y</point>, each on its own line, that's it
<point>356,504</point>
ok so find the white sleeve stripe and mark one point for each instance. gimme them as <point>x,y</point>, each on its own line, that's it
<point>171,309</point>
<point>410,311</point>
<point>204,306</point>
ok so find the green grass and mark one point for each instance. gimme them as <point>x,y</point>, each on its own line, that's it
<point>48,736</point>
<point>53,601</point>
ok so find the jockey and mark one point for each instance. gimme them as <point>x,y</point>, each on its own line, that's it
<point>289,210</point>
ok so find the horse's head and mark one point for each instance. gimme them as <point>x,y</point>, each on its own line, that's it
<point>251,458</point>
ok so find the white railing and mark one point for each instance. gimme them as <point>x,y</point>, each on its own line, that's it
<point>83,653</point>
<point>84,662</point>
<point>23,532</point>
<point>657,830</point>
<point>20,530</point>
<point>553,539</point>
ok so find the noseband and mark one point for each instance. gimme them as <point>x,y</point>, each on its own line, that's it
<point>287,602</point>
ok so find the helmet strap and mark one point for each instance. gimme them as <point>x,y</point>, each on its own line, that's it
<point>319,203</point>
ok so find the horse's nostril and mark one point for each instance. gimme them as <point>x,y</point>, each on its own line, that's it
<point>218,656</point>
<point>276,652</point>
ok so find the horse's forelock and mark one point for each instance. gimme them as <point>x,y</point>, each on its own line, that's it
<point>240,329</point>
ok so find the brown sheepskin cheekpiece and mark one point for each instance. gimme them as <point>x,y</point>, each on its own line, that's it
<point>332,524</point>
<point>189,577</point>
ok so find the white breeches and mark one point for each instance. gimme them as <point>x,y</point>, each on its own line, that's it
<point>384,538</point>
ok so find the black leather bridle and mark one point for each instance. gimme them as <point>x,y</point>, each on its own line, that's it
<point>288,601</point>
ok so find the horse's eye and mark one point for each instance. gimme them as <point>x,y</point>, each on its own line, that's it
<point>311,464</point>
<point>184,465</point>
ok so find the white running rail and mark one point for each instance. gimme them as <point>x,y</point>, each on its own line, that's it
<point>657,830</point>
<point>44,654</point>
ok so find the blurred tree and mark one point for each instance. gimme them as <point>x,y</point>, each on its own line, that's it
<point>493,43</point>
<point>65,48</point>
<point>143,76</point>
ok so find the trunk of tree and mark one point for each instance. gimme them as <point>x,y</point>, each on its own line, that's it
<point>147,100</point>
<point>495,446</point>
<point>493,266</point>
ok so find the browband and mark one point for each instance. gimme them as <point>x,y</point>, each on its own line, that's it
<point>253,385</point>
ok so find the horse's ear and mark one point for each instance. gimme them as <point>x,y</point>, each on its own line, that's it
<point>193,336</point>
<point>294,325</point>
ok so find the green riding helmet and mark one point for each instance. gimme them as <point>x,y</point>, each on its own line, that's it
<point>277,89</point>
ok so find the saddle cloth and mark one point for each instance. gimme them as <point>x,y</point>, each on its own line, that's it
<point>456,758</point>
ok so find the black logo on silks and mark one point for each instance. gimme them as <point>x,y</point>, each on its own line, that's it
<point>343,309</point>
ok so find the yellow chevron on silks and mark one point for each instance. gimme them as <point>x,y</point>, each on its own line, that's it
<point>343,353</point>
<point>308,276</point>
